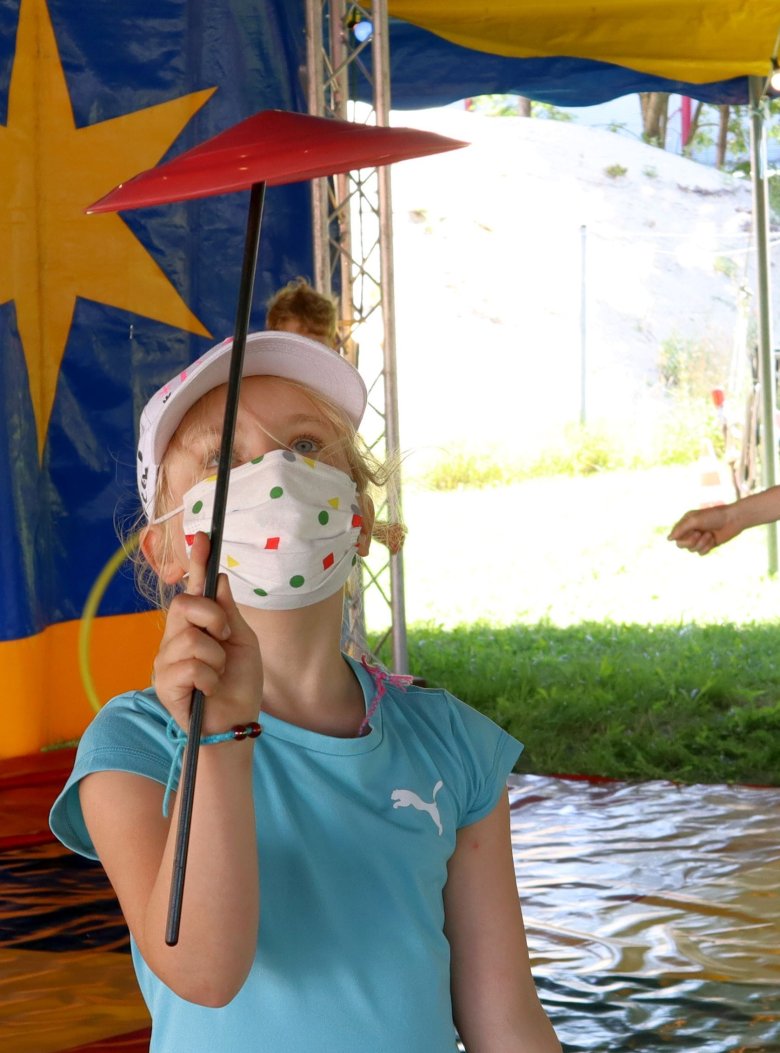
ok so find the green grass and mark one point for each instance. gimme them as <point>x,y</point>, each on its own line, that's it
<point>676,438</point>
<point>691,704</point>
<point>558,607</point>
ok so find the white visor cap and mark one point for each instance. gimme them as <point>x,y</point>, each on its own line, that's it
<point>274,354</point>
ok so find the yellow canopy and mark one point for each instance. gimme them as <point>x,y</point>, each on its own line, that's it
<point>697,41</point>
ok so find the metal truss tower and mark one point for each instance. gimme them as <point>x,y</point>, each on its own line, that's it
<point>353,255</point>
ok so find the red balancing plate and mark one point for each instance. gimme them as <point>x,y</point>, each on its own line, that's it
<point>272,147</point>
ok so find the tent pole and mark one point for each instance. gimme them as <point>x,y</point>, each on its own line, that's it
<point>766,364</point>
<point>315,92</point>
<point>381,61</point>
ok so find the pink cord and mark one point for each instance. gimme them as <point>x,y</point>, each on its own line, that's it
<point>381,678</point>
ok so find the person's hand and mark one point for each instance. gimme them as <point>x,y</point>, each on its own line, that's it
<point>208,645</point>
<point>701,530</point>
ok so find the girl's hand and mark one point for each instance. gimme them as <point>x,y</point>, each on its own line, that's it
<point>208,645</point>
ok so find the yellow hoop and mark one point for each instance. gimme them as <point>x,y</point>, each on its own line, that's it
<point>90,610</point>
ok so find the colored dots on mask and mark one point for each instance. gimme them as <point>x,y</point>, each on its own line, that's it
<point>277,491</point>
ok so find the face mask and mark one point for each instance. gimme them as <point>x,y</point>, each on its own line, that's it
<point>291,529</point>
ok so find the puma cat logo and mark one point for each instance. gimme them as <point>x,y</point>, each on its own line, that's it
<point>407,798</point>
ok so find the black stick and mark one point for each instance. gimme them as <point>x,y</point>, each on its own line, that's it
<point>190,762</point>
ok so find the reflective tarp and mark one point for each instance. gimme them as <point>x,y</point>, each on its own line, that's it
<point>652,910</point>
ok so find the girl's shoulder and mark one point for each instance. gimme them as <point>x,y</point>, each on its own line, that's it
<point>472,754</point>
<point>443,713</point>
<point>131,729</point>
<point>128,734</point>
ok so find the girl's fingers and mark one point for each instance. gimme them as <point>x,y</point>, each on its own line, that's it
<point>189,675</point>
<point>193,644</point>
<point>199,555</point>
<point>225,599</point>
<point>187,610</point>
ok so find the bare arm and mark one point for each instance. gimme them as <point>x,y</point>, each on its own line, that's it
<point>207,645</point>
<point>495,1003</point>
<point>220,911</point>
<point>701,530</point>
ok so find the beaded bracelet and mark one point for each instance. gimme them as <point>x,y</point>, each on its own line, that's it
<point>238,732</point>
<point>179,738</point>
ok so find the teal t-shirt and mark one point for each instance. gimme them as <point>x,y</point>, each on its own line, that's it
<point>354,836</point>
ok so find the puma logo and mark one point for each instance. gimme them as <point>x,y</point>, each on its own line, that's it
<point>407,798</point>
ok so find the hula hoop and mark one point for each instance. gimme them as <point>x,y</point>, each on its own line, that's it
<point>94,598</point>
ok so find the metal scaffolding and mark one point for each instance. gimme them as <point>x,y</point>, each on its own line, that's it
<point>353,255</point>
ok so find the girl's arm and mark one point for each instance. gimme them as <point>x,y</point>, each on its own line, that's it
<point>221,902</point>
<point>208,645</point>
<point>495,1003</point>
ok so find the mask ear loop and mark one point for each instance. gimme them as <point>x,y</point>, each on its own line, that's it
<point>167,516</point>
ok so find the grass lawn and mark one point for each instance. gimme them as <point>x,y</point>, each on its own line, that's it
<point>557,606</point>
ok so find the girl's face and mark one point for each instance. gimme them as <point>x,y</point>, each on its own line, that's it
<point>272,415</point>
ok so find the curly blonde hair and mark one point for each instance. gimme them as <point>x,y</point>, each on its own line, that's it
<point>299,308</point>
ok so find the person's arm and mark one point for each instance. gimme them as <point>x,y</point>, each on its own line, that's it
<point>703,529</point>
<point>208,645</point>
<point>221,901</point>
<point>495,1003</point>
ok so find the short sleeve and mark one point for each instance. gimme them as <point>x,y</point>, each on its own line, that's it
<point>488,755</point>
<point>127,735</point>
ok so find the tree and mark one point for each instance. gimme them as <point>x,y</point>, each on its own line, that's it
<point>515,106</point>
<point>727,128</point>
<point>655,116</point>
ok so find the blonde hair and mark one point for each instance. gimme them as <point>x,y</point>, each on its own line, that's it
<point>372,477</point>
<point>299,308</point>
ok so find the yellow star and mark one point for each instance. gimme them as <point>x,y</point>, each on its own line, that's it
<point>50,251</point>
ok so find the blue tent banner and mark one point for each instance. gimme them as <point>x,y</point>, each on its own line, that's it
<point>97,311</point>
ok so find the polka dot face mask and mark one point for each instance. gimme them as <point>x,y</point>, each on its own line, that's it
<point>291,529</point>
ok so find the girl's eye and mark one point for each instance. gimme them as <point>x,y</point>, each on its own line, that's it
<point>305,446</point>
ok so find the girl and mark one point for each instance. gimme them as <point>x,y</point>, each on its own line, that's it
<point>350,884</point>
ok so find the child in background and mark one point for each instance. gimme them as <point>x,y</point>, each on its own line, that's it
<point>298,308</point>
<point>350,883</point>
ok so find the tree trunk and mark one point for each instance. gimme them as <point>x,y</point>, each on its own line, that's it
<point>655,110</point>
<point>523,106</point>
<point>723,135</point>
